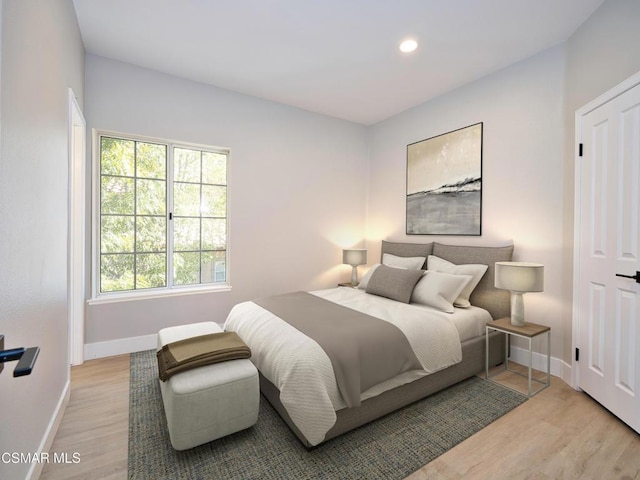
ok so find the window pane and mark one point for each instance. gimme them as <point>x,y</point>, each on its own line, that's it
<point>134,227</point>
<point>150,197</point>
<point>117,234</point>
<point>116,273</point>
<point>186,199</point>
<point>186,234</point>
<point>186,165</point>
<point>151,270</point>
<point>152,160</point>
<point>214,201</point>
<point>214,168</point>
<point>117,156</point>
<point>214,234</point>
<point>214,269</point>
<point>152,234</point>
<point>186,268</point>
<point>116,195</point>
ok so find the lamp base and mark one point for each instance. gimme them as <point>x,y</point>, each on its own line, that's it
<point>517,309</point>
<point>354,275</point>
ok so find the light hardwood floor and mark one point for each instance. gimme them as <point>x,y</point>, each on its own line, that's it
<point>95,424</point>
<point>558,434</point>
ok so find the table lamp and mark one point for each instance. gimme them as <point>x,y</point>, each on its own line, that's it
<point>354,258</point>
<point>519,278</point>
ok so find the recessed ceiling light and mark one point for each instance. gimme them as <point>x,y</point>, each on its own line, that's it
<point>408,46</point>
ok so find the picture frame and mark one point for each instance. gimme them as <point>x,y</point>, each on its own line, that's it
<point>444,184</point>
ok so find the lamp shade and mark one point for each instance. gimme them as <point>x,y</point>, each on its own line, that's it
<point>519,276</point>
<point>354,257</point>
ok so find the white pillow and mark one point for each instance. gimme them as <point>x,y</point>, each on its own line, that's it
<point>439,290</point>
<point>411,263</point>
<point>476,271</point>
<point>365,280</point>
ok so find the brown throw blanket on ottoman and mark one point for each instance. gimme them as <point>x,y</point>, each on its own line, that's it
<point>176,357</point>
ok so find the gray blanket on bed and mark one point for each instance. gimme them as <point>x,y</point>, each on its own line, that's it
<point>364,350</point>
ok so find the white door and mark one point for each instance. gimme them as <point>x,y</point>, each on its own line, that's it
<point>607,306</point>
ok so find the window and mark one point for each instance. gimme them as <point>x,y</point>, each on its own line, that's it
<point>162,215</point>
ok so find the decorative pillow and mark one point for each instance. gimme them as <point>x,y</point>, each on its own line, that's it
<point>394,283</point>
<point>486,295</point>
<point>475,270</point>
<point>401,249</point>
<point>439,290</point>
<point>365,280</point>
<point>411,263</point>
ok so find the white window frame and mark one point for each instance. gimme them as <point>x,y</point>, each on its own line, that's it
<point>98,297</point>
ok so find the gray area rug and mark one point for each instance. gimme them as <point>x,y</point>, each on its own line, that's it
<point>390,448</point>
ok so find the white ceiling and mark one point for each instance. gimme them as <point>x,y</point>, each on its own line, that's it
<point>335,57</point>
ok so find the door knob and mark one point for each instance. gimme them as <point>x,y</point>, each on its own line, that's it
<point>635,277</point>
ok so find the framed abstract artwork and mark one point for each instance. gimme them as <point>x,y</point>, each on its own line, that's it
<point>444,184</point>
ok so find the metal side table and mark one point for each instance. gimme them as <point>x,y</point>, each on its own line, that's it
<point>528,331</point>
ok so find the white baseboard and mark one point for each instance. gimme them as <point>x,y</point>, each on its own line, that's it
<point>559,368</point>
<point>47,440</point>
<point>120,346</point>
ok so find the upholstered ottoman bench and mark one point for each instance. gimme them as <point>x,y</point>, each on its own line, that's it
<point>210,401</point>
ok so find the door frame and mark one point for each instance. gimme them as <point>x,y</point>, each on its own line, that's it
<point>606,97</point>
<point>76,233</point>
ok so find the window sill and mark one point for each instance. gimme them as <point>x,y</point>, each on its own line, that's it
<point>151,294</point>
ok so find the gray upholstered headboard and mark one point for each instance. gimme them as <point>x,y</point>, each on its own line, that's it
<point>485,295</point>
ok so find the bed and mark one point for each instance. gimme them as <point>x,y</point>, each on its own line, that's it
<point>299,374</point>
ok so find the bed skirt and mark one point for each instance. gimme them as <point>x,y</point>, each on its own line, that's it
<point>473,362</point>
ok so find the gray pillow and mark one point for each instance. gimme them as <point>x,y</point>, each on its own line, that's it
<point>394,283</point>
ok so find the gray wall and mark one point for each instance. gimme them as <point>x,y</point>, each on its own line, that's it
<point>42,56</point>
<point>602,52</point>
<point>296,189</point>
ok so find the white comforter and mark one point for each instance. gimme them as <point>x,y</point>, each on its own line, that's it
<point>302,372</point>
